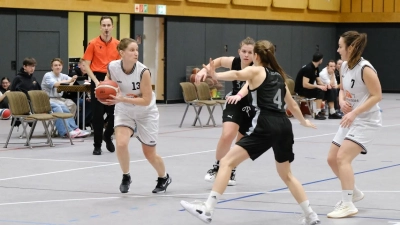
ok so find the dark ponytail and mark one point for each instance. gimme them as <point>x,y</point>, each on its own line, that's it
<point>266,51</point>
<point>357,41</point>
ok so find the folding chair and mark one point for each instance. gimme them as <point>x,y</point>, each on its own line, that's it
<point>299,99</point>
<point>20,109</point>
<point>203,93</point>
<point>40,102</point>
<point>191,99</point>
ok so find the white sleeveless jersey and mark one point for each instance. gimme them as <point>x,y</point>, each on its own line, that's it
<point>129,84</point>
<point>355,90</point>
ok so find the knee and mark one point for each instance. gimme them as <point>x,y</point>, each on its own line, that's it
<point>226,162</point>
<point>286,176</point>
<point>121,143</point>
<point>57,108</point>
<point>332,160</point>
<point>228,136</point>
<point>150,154</point>
<point>341,159</point>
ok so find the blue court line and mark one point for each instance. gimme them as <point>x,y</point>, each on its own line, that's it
<point>27,222</point>
<point>288,212</point>
<point>312,182</point>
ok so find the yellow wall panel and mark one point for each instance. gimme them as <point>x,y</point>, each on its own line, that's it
<point>388,5</point>
<point>397,5</point>
<point>75,34</point>
<point>262,3</point>
<point>124,26</point>
<point>345,6</point>
<point>378,6</point>
<point>211,1</point>
<point>356,6</point>
<point>327,5</point>
<point>290,4</point>
<point>366,6</point>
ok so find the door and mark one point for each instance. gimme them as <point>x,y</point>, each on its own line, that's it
<point>153,52</point>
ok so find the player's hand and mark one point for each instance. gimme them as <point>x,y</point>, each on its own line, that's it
<point>211,71</point>
<point>322,87</point>
<point>116,98</point>
<point>345,107</point>
<point>347,120</point>
<point>233,99</point>
<point>307,123</point>
<point>201,76</point>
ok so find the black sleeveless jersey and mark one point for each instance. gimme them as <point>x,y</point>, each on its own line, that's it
<point>270,95</point>
<point>237,84</point>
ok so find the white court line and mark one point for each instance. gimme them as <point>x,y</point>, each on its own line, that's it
<point>163,196</point>
<point>172,156</point>
<point>55,160</point>
<point>91,167</point>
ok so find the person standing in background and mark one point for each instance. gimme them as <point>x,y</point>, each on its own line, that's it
<point>101,51</point>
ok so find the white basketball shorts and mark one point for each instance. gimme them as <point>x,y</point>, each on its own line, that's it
<point>362,132</point>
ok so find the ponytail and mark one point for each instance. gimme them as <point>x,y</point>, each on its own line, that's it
<point>357,41</point>
<point>275,65</point>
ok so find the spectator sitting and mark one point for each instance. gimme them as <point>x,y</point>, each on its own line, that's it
<point>328,78</point>
<point>337,69</point>
<point>309,85</point>
<point>25,81</point>
<point>5,84</point>
<point>81,74</point>
<point>50,82</point>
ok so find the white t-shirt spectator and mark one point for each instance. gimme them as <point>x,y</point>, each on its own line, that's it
<point>325,77</point>
<point>48,82</point>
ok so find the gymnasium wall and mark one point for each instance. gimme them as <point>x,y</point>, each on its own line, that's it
<point>286,10</point>
<point>383,51</point>
<point>191,42</point>
<point>376,11</point>
<point>32,33</point>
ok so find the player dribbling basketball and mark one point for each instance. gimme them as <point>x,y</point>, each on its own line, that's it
<point>135,109</point>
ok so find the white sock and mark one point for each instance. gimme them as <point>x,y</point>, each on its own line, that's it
<point>305,206</point>
<point>317,111</point>
<point>165,175</point>
<point>212,200</point>
<point>332,111</point>
<point>347,195</point>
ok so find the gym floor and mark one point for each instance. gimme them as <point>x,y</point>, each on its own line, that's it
<point>68,185</point>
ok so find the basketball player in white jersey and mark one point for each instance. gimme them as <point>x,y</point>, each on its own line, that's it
<point>268,96</point>
<point>136,112</point>
<point>360,93</point>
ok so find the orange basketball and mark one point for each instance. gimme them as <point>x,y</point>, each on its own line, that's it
<point>105,89</point>
<point>5,114</point>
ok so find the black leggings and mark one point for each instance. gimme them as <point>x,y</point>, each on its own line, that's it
<point>98,111</point>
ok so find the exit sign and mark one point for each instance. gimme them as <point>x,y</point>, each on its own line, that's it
<point>141,8</point>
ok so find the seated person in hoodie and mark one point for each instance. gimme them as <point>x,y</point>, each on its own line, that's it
<point>50,82</point>
<point>25,81</point>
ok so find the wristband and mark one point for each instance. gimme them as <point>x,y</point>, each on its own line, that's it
<point>241,96</point>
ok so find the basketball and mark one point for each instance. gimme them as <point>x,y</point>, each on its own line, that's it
<point>5,114</point>
<point>105,89</point>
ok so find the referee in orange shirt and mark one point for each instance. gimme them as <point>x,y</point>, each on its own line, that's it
<point>101,51</point>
